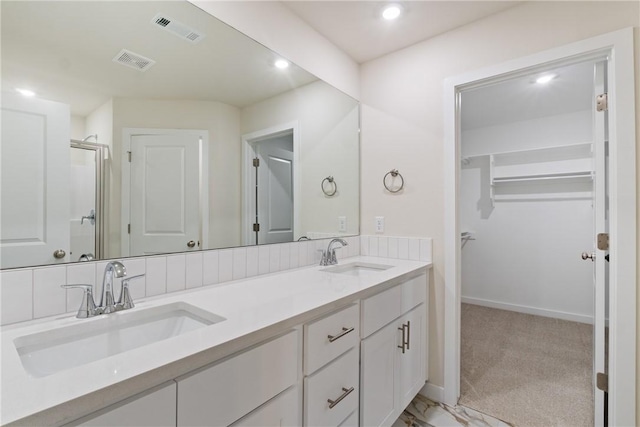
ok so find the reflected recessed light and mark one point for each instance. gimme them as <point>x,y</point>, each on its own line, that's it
<point>545,79</point>
<point>281,63</point>
<point>26,92</point>
<point>392,11</point>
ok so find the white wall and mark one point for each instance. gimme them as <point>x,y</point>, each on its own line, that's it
<point>276,27</point>
<point>77,127</point>
<point>402,115</point>
<point>328,123</point>
<point>526,253</point>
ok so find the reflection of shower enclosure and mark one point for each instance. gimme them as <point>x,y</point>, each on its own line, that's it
<point>86,200</point>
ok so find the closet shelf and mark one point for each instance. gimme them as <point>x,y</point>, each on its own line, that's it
<point>553,164</point>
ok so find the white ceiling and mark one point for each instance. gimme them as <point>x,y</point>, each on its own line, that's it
<point>357,28</point>
<point>522,98</point>
<point>63,50</point>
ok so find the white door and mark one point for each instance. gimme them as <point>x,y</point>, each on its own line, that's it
<point>275,193</point>
<point>34,181</point>
<point>600,226</point>
<point>165,193</point>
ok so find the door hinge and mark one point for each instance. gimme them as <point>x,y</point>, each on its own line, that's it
<point>129,155</point>
<point>129,228</point>
<point>602,102</point>
<point>603,241</point>
<point>256,162</point>
<point>602,381</point>
<point>256,227</point>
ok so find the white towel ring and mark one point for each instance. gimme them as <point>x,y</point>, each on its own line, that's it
<point>332,181</point>
<point>394,173</point>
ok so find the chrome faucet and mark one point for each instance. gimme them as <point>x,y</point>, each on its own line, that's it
<point>329,256</point>
<point>88,308</point>
<point>113,269</point>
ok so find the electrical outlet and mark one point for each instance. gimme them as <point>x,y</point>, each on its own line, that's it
<point>342,223</point>
<point>379,224</point>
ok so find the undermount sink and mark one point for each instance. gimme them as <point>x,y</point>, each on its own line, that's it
<point>46,353</point>
<point>357,268</point>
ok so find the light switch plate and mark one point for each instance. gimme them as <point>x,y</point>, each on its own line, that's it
<point>379,224</point>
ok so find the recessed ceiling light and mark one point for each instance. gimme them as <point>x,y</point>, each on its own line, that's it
<point>281,63</point>
<point>26,92</point>
<point>545,79</point>
<point>391,12</point>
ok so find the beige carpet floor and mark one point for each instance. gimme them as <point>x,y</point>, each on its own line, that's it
<point>527,370</point>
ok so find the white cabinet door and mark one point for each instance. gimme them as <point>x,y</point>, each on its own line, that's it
<point>283,410</point>
<point>412,362</point>
<point>378,384</point>
<point>34,181</point>
<point>154,408</point>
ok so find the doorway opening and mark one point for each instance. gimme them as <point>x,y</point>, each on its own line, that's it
<point>616,50</point>
<point>271,185</point>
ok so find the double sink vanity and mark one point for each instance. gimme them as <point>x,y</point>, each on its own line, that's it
<point>342,345</point>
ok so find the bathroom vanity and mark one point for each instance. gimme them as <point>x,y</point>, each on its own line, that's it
<point>341,346</point>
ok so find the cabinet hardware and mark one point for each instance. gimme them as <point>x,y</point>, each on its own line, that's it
<point>405,336</point>
<point>344,332</point>
<point>345,393</point>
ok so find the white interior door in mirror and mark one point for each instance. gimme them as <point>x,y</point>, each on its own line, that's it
<point>35,181</point>
<point>165,193</point>
<point>275,190</point>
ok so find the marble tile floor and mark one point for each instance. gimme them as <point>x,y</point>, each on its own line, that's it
<point>423,412</point>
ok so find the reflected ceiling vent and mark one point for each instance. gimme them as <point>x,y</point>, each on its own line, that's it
<point>133,60</point>
<point>178,28</point>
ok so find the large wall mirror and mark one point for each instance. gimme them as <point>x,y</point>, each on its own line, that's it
<point>138,128</point>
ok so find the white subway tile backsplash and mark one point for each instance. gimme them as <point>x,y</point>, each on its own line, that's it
<point>313,256</point>
<point>425,250</point>
<point>176,273</point>
<point>48,297</point>
<point>383,247</point>
<point>293,255</point>
<point>403,248</point>
<point>84,274</point>
<point>253,261</point>
<point>393,247</point>
<point>356,246</point>
<point>16,299</point>
<point>284,256</point>
<point>364,245</point>
<point>239,263</point>
<point>303,253</point>
<point>156,278</point>
<point>225,265</point>
<point>264,259</point>
<point>210,268</point>
<point>373,246</point>
<point>274,258</point>
<point>414,249</point>
<point>194,270</point>
<point>137,287</point>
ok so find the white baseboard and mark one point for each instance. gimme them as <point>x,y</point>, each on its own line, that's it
<point>433,392</point>
<point>529,310</point>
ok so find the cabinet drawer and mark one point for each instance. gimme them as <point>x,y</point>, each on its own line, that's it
<point>381,309</point>
<point>344,329</point>
<point>414,292</point>
<point>331,383</point>
<point>223,393</point>
<point>283,410</point>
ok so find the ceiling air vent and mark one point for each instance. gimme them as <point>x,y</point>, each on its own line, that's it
<point>177,28</point>
<point>133,60</point>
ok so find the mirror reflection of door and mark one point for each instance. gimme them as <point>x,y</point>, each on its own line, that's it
<point>34,181</point>
<point>165,192</point>
<point>83,199</point>
<point>274,189</point>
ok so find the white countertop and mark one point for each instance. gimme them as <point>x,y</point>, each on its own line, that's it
<point>254,309</point>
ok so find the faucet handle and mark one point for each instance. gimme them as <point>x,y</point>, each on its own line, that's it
<point>125,302</point>
<point>88,305</point>
<point>324,258</point>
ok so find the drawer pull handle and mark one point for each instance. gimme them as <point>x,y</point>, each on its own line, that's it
<point>344,332</point>
<point>406,336</point>
<point>345,393</point>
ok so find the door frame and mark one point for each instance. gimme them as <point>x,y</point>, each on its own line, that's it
<point>125,208</point>
<point>248,195</point>
<point>101,153</point>
<point>618,48</point>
